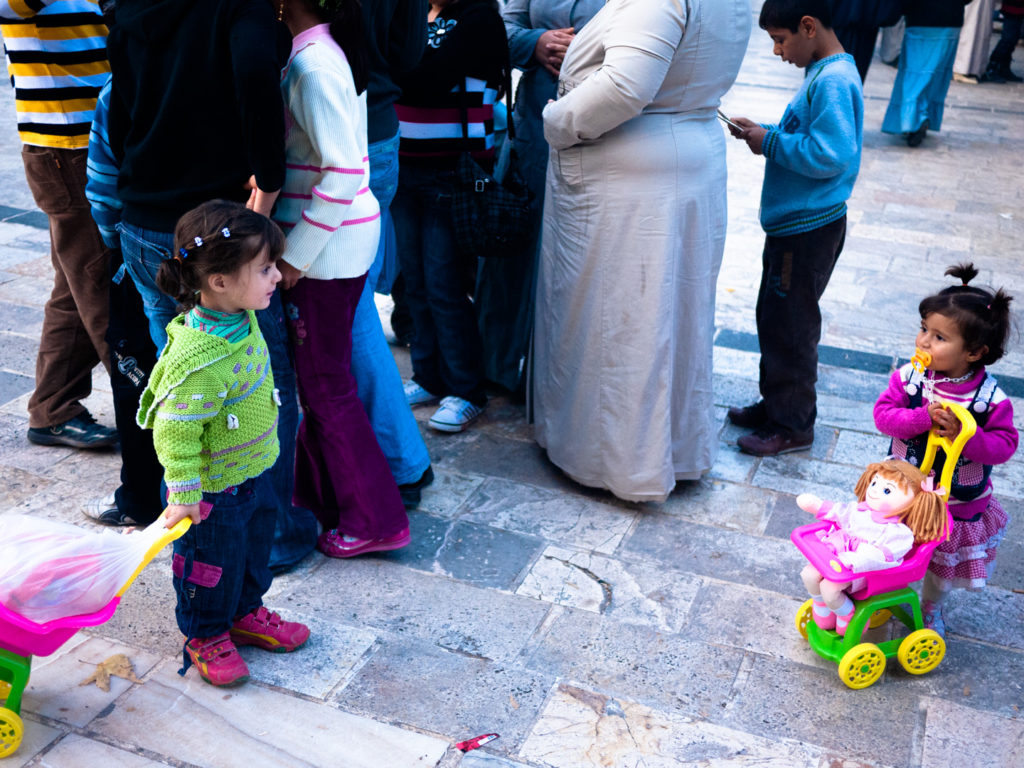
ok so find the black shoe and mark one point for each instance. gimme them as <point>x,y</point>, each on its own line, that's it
<point>749,416</point>
<point>79,432</point>
<point>773,440</point>
<point>915,138</point>
<point>411,492</point>
<point>1008,76</point>
<point>993,75</point>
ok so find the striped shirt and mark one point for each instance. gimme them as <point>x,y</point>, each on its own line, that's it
<point>459,76</point>
<point>233,326</point>
<point>437,131</point>
<point>101,174</point>
<point>57,59</point>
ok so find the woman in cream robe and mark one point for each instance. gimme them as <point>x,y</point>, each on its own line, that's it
<point>633,234</point>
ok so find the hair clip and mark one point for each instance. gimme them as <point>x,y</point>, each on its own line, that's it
<point>198,241</point>
<point>226,232</point>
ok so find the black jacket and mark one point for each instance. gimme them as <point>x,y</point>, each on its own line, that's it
<point>396,34</point>
<point>934,13</point>
<point>196,105</point>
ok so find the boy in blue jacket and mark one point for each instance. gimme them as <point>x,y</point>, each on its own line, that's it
<point>812,159</point>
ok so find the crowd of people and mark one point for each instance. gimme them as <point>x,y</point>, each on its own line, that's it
<point>179,130</point>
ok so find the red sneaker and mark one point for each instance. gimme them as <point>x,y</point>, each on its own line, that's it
<point>333,544</point>
<point>217,660</point>
<point>269,631</point>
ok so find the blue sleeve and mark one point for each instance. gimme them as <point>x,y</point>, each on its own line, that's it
<point>522,38</point>
<point>830,143</point>
<point>101,173</point>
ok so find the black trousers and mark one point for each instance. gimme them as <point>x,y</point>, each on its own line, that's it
<point>795,271</point>
<point>1002,54</point>
<point>133,356</point>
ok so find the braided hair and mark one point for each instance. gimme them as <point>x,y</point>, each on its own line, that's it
<point>981,314</point>
<point>217,237</point>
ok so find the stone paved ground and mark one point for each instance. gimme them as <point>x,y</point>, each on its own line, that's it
<point>586,631</point>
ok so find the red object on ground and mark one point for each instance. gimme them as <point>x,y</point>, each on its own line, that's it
<point>477,742</point>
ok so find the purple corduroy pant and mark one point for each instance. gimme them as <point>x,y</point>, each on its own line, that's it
<point>340,471</point>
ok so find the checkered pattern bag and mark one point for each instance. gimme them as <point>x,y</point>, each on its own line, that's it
<point>491,217</point>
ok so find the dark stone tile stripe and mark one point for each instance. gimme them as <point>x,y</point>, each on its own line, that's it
<point>869,362</point>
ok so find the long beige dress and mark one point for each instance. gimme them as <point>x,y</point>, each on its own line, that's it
<point>633,234</point>
<point>975,39</point>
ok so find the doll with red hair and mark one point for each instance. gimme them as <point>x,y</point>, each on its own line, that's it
<point>897,507</point>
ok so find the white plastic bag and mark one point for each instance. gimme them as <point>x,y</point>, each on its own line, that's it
<point>49,570</point>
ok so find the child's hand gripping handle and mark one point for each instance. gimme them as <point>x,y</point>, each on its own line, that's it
<point>162,536</point>
<point>950,446</point>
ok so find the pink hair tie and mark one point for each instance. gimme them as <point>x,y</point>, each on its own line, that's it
<point>928,486</point>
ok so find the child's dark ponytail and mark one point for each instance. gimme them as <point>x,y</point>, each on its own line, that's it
<point>217,237</point>
<point>981,314</point>
<point>963,272</point>
<point>179,281</point>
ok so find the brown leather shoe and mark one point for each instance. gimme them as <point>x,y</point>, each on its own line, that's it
<point>749,416</point>
<point>771,441</point>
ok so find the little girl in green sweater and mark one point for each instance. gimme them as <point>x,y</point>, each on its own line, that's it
<point>212,406</point>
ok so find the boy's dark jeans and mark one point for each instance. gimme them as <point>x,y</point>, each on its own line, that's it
<point>220,565</point>
<point>1002,54</point>
<point>795,271</point>
<point>133,356</point>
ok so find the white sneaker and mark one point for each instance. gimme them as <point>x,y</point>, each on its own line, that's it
<point>105,512</point>
<point>455,414</point>
<point>417,395</point>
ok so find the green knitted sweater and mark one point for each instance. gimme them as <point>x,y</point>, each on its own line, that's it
<point>212,407</point>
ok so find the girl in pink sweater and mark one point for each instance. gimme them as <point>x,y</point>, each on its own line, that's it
<point>963,329</point>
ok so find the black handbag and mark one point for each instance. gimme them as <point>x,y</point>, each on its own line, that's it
<point>490,215</point>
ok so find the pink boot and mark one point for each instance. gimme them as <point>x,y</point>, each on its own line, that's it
<point>843,619</point>
<point>822,614</point>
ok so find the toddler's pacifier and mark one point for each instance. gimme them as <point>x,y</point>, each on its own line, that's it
<point>920,360</point>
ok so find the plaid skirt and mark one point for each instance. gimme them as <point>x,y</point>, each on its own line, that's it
<point>966,559</point>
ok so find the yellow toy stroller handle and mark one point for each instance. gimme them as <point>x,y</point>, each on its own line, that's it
<point>951,448</point>
<point>164,536</point>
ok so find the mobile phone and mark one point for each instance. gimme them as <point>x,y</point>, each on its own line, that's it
<point>727,121</point>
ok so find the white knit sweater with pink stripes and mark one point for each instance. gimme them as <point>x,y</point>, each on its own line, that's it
<point>326,209</point>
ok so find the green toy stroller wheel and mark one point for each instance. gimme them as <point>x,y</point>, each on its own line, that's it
<point>879,618</point>
<point>803,615</point>
<point>862,665</point>
<point>921,651</point>
<point>11,731</point>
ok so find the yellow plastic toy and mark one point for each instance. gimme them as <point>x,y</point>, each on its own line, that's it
<point>21,639</point>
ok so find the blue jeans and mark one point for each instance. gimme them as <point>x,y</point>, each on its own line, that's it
<point>296,530</point>
<point>384,184</point>
<point>378,381</point>
<point>447,354</point>
<point>144,251</point>
<point>219,566</point>
<point>380,389</point>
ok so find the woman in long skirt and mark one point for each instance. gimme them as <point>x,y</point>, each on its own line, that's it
<point>926,66</point>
